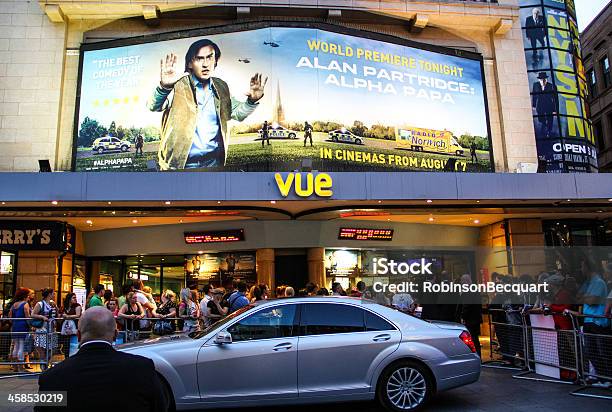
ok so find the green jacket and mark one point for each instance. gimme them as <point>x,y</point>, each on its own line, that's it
<point>180,109</point>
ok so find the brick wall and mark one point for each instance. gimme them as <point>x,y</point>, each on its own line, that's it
<point>31,59</point>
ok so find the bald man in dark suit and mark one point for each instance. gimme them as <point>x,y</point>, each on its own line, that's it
<point>98,377</point>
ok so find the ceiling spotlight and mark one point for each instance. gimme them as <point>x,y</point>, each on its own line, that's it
<point>218,202</point>
<point>273,202</point>
<point>476,221</point>
<point>380,201</point>
<point>89,222</point>
<point>181,221</point>
<point>4,203</point>
<point>200,252</point>
<point>167,202</point>
<point>113,212</point>
<point>569,200</point>
<point>431,219</point>
<point>478,201</point>
<point>609,200</point>
<point>110,203</point>
<point>134,220</point>
<point>54,202</point>
<point>429,200</point>
<point>388,220</point>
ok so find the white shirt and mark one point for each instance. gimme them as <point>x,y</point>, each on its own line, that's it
<point>204,306</point>
<point>94,341</point>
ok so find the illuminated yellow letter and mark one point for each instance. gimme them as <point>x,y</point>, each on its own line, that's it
<point>284,186</point>
<point>298,185</point>
<point>323,185</point>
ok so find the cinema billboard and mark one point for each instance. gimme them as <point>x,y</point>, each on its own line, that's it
<point>270,97</point>
<point>564,133</point>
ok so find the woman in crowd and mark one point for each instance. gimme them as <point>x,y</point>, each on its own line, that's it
<point>215,310</point>
<point>44,311</point>
<point>113,306</point>
<point>167,309</point>
<point>265,291</point>
<point>19,309</point>
<point>108,295</point>
<point>71,312</point>
<point>337,289</point>
<point>280,291</point>
<point>131,313</point>
<point>289,292</point>
<point>188,311</point>
<point>255,294</point>
<point>323,292</point>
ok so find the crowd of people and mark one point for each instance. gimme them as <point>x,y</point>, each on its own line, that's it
<point>137,312</point>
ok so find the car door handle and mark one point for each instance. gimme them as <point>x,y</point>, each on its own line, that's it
<point>381,338</point>
<point>282,346</point>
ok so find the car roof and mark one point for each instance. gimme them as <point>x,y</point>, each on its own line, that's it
<point>315,299</point>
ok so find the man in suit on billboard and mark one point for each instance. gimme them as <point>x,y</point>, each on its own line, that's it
<point>545,102</point>
<point>535,30</point>
<point>196,135</point>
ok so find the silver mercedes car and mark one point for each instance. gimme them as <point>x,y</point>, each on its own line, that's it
<point>313,350</point>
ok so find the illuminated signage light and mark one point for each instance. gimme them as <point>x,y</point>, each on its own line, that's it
<point>319,184</point>
<point>216,236</point>
<point>365,234</point>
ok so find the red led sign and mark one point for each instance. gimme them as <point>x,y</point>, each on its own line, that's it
<point>352,233</point>
<point>215,236</point>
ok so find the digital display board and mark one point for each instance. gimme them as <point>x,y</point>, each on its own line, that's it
<point>269,96</point>
<point>215,236</point>
<point>564,134</point>
<point>351,233</point>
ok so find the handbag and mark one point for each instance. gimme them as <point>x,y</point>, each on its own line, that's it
<point>68,327</point>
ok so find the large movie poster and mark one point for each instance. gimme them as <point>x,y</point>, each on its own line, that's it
<point>273,98</point>
<point>215,268</point>
<point>564,134</point>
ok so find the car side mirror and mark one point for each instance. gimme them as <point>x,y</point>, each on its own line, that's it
<point>223,337</point>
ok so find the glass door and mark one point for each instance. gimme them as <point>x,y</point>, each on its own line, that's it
<point>174,278</point>
<point>7,277</point>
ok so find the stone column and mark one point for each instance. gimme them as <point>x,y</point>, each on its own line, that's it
<point>265,267</point>
<point>316,266</point>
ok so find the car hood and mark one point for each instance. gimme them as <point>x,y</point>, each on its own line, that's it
<point>158,340</point>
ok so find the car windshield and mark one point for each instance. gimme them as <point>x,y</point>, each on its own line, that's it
<point>220,322</point>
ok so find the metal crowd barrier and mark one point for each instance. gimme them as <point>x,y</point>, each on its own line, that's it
<point>580,355</point>
<point>35,350</point>
<point>595,362</point>
<point>508,328</point>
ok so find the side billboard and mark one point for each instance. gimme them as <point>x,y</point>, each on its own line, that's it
<point>272,97</point>
<point>564,133</point>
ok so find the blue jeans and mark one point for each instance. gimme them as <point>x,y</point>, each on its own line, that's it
<point>212,159</point>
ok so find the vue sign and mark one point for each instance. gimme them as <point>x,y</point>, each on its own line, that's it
<point>305,185</point>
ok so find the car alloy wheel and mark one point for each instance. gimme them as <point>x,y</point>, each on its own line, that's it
<point>100,150</point>
<point>124,148</point>
<point>405,387</point>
